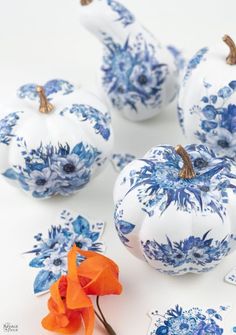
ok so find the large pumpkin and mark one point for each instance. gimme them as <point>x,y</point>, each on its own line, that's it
<point>175,208</point>
<point>54,139</point>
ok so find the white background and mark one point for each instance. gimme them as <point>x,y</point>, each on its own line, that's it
<point>43,39</point>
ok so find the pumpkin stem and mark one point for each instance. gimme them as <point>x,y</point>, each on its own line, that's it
<point>187,172</point>
<point>45,105</point>
<point>231,59</point>
<point>85,2</point>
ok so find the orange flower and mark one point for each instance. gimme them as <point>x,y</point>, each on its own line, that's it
<point>65,314</point>
<point>69,305</point>
<point>98,275</point>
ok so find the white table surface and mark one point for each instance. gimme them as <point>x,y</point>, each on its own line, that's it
<point>40,40</point>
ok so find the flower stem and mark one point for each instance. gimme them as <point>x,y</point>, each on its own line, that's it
<point>103,320</point>
<point>231,59</point>
<point>187,172</point>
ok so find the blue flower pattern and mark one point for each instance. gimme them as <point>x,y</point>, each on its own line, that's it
<point>51,88</point>
<point>123,227</point>
<point>124,15</point>
<point>120,161</point>
<point>193,321</point>
<point>50,252</point>
<point>217,120</point>
<point>193,251</point>
<point>194,62</point>
<point>157,183</point>
<point>178,56</point>
<point>100,122</point>
<point>7,125</point>
<point>51,170</point>
<point>132,74</point>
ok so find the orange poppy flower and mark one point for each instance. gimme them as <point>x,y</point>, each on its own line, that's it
<point>98,275</point>
<point>69,305</point>
<point>67,312</point>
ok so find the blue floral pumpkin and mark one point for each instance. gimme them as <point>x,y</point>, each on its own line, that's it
<point>138,75</point>
<point>56,140</point>
<point>174,208</point>
<point>207,101</point>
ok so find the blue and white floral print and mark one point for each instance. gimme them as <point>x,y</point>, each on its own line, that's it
<point>52,87</point>
<point>123,228</point>
<point>191,321</point>
<point>178,56</point>
<point>120,161</point>
<point>194,62</point>
<point>217,120</point>
<point>157,184</point>
<point>101,122</point>
<point>193,251</point>
<point>7,125</point>
<point>124,15</point>
<point>132,74</point>
<point>231,277</point>
<point>50,170</point>
<point>50,251</point>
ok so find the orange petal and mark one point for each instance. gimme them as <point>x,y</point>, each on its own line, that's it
<point>72,263</point>
<point>76,297</point>
<point>104,283</point>
<point>102,259</point>
<point>89,320</point>
<point>50,323</point>
<point>56,296</point>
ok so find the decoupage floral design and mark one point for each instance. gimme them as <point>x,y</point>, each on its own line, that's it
<point>120,161</point>
<point>7,125</point>
<point>131,73</point>
<point>231,277</point>
<point>194,62</point>
<point>99,121</point>
<point>217,120</point>
<point>195,253</point>
<point>157,184</point>
<point>123,227</point>
<point>49,170</point>
<point>50,251</point>
<point>188,321</point>
<point>52,87</point>
<point>124,15</point>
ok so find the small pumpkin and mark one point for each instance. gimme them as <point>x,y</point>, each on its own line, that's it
<point>55,139</point>
<point>138,75</point>
<point>207,101</point>
<point>175,208</point>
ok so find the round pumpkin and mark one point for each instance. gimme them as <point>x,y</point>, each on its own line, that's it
<point>175,208</point>
<point>54,139</point>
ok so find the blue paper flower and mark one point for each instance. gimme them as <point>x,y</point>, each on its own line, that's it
<point>194,321</point>
<point>51,251</point>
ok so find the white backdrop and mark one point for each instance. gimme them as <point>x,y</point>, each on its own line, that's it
<point>40,40</point>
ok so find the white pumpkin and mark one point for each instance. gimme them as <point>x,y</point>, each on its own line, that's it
<point>138,75</point>
<point>175,208</point>
<point>207,101</point>
<point>54,139</point>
